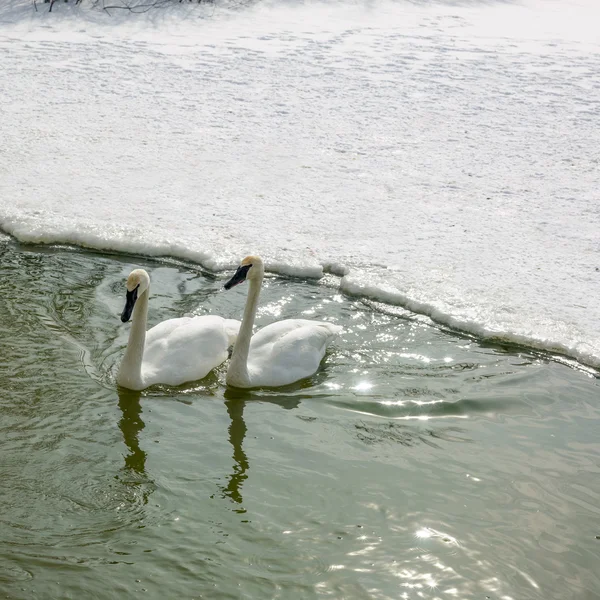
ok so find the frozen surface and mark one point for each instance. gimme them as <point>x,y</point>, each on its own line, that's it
<point>444,156</point>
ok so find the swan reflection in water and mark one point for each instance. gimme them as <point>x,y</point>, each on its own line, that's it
<point>131,424</point>
<point>237,432</point>
<point>236,401</point>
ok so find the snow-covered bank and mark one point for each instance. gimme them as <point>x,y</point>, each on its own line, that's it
<point>447,156</point>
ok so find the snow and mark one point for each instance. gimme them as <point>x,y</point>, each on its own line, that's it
<point>440,156</point>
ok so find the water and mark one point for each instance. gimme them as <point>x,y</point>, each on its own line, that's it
<point>417,463</point>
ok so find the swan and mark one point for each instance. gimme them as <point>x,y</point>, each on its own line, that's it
<point>280,353</point>
<point>174,351</point>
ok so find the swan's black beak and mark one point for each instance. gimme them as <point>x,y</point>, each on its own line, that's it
<point>129,304</point>
<point>238,277</point>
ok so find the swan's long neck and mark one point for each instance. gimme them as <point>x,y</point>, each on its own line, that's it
<point>237,373</point>
<point>130,372</point>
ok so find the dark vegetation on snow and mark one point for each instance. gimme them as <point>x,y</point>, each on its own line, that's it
<point>134,6</point>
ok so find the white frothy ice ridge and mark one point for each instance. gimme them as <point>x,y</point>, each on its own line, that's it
<point>505,325</point>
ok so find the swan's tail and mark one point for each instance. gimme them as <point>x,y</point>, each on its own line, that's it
<point>333,329</point>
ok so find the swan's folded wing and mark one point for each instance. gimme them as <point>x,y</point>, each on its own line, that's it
<point>276,331</point>
<point>185,349</point>
<point>289,350</point>
<point>165,328</point>
<point>184,329</point>
<point>304,346</point>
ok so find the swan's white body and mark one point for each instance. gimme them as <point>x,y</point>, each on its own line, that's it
<point>280,353</point>
<point>174,351</point>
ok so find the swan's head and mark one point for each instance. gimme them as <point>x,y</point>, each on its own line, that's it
<point>250,268</point>
<point>137,283</point>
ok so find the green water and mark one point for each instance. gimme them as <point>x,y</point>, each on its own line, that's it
<point>417,463</point>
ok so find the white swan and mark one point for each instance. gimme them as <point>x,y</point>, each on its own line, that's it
<point>280,353</point>
<point>174,351</point>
